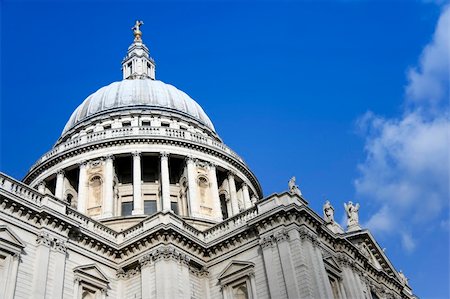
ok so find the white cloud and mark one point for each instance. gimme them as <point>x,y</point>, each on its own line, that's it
<point>429,82</point>
<point>408,242</point>
<point>406,170</point>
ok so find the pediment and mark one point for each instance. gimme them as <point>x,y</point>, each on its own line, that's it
<point>331,262</point>
<point>236,268</point>
<point>9,240</point>
<point>91,272</point>
<point>369,247</point>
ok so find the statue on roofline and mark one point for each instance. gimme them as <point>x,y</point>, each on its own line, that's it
<point>328,212</point>
<point>293,188</point>
<point>352,214</point>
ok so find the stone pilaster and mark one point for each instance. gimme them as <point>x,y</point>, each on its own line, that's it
<point>165,182</point>
<point>44,242</point>
<point>137,185</point>
<point>303,269</point>
<point>11,277</point>
<point>121,275</point>
<point>282,240</point>
<point>108,202</point>
<point>146,284</point>
<point>309,241</point>
<point>59,254</point>
<point>267,246</point>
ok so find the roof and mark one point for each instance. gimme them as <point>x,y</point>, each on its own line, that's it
<point>153,94</point>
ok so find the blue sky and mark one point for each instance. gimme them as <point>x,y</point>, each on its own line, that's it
<point>351,97</point>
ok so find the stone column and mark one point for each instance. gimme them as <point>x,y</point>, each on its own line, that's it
<point>82,190</point>
<point>287,266</point>
<point>233,194</point>
<point>165,182</point>
<point>59,190</point>
<point>192,187</point>
<point>41,187</point>
<point>146,269</point>
<point>108,202</point>
<point>217,211</point>
<point>41,262</point>
<point>246,195</point>
<point>59,255</point>
<point>137,188</point>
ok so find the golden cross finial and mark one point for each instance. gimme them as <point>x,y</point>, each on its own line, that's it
<point>137,32</point>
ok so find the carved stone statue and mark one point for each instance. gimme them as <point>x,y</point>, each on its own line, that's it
<point>328,212</point>
<point>403,278</point>
<point>293,188</point>
<point>352,214</point>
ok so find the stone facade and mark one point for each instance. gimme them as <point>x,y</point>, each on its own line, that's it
<point>142,199</point>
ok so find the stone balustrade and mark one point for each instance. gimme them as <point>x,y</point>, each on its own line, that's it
<point>15,187</point>
<point>136,132</point>
<point>22,190</point>
<point>230,224</point>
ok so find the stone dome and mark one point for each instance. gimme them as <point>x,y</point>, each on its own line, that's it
<point>125,94</point>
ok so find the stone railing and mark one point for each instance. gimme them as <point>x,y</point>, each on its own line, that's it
<point>136,132</point>
<point>20,189</point>
<point>230,224</point>
<point>133,231</point>
<point>92,225</point>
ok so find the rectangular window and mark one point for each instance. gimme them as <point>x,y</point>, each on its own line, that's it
<point>126,124</point>
<point>174,207</point>
<point>107,127</point>
<point>146,123</point>
<point>166,125</point>
<point>150,207</point>
<point>127,208</point>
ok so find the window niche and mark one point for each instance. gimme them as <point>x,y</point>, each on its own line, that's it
<point>10,249</point>
<point>90,283</point>
<point>334,276</point>
<point>237,281</point>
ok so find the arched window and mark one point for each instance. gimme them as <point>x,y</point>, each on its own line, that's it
<point>95,195</point>
<point>240,291</point>
<point>69,198</point>
<point>223,206</point>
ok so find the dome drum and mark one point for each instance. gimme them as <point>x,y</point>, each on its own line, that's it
<point>122,188</point>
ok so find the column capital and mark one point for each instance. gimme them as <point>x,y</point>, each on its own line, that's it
<point>244,185</point>
<point>164,155</point>
<point>189,159</point>
<point>60,172</point>
<point>83,163</point>
<point>60,246</point>
<point>231,173</point>
<point>136,154</point>
<point>108,157</point>
<point>44,239</point>
<point>41,183</point>
<point>146,260</point>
